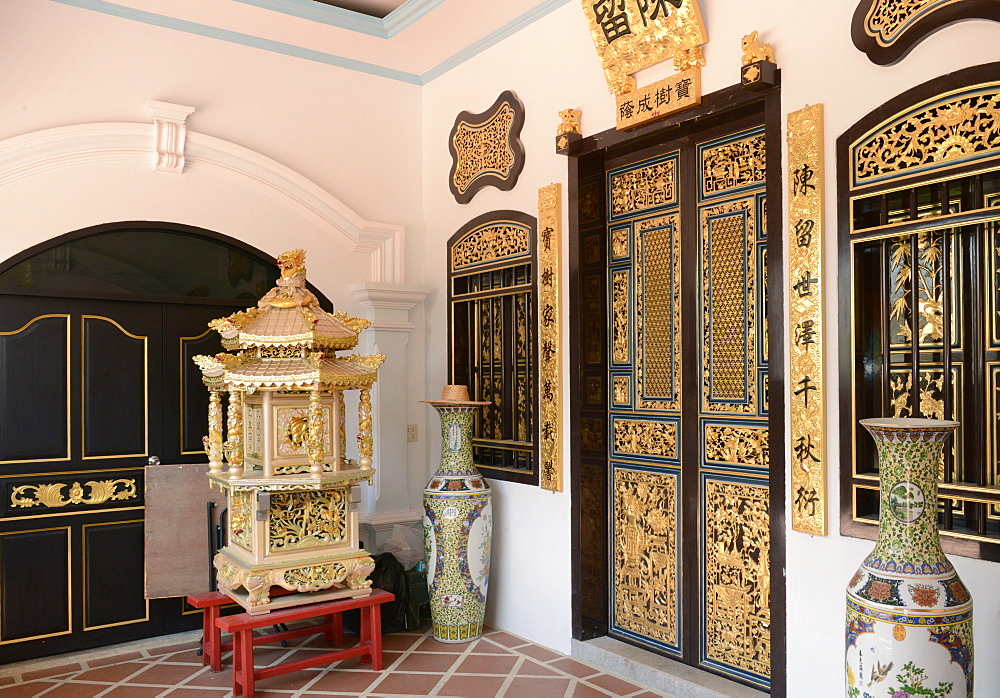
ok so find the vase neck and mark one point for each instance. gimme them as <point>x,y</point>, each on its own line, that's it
<point>908,477</point>
<point>456,440</point>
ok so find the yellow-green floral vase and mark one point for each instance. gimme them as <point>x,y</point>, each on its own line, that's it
<point>458,527</point>
<point>909,616</point>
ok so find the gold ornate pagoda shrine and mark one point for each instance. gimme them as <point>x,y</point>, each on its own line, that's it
<point>292,490</point>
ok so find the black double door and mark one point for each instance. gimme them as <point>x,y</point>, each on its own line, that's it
<point>90,392</point>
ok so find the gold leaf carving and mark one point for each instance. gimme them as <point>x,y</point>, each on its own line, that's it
<point>643,188</point>
<point>736,445</point>
<point>645,553</point>
<point>549,337</point>
<point>887,19</point>
<point>620,300</point>
<point>947,129</point>
<point>51,495</point>
<point>241,517</point>
<point>490,243</point>
<point>729,299</point>
<point>630,35</point>
<point>732,165</point>
<point>738,576</point>
<point>483,148</point>
<point>643,438</point>
<point>300,520</point>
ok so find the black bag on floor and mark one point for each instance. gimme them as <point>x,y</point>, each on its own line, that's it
<point>390,576</point>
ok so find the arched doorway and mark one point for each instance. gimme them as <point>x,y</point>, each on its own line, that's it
<point>97,328</point>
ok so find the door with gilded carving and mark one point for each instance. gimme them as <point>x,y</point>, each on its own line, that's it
<point>687,385</point>
<point>91,390</point>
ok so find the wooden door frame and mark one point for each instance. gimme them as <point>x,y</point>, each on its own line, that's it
<point>586,157</point>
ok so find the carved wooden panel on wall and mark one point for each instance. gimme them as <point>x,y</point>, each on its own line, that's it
<point>485,148</point>
<point>886,30</point>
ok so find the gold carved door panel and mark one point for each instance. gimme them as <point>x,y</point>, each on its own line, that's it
<point>688,437</point>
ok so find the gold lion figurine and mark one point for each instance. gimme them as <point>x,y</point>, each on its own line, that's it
<point>755,50</point>
<point>570,121</point>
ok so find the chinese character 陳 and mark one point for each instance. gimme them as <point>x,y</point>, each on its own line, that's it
<point>801,178</point>
<point>658,6</point>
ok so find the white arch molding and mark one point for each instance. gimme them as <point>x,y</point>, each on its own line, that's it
<point>58,180</point>
<point>113,165</point>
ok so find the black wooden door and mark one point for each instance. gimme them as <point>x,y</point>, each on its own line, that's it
<point>91,390</point>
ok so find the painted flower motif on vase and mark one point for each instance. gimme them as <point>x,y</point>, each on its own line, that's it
<point>923,595</point>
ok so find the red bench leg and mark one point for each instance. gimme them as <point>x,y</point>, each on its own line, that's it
<point>243,669</point>
<point>371,636</point>
<point>335,631</point>
<point>211,639</point>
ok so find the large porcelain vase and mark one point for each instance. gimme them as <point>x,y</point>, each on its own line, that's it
<point>909,616</point>
<point>458,527</point>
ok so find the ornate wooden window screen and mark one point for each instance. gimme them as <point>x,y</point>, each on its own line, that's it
<point>922,311</point>
<point>493,339</point>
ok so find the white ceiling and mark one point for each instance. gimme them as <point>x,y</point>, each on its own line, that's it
<point>415,42</point>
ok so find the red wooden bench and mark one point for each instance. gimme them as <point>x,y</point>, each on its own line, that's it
<point>242,626</point>
<point>212,646</point>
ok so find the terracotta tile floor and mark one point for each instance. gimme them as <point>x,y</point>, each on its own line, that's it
<point>498,664</point>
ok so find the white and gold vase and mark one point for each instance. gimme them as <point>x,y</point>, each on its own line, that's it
<point>909,616</point>
<point>458,526</point>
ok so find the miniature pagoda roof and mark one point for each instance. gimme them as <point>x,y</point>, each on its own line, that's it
<point>331,373</point>
<point>283,342</point>
<point>289,315</point>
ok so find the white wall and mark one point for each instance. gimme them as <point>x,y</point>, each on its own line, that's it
<point>552,65</point>
<point>282,153</point>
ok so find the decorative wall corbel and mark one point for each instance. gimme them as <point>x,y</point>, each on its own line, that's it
<point>170,134</point>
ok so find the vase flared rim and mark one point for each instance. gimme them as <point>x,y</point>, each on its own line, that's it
<point>454,403</point>
<point>909,423</point>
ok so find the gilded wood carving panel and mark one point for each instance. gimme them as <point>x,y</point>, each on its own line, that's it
<point>887,29</point>
<point>645,554</point>
<point>737,613</point>
<point>729,307</point>
<point>657,309</point>
<point>486,149</point>
<point>952,128</point>
<point>645,438</point>
<point>648,186</point>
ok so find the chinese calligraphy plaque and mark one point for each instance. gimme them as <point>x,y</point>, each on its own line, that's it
<point>630,35</point>
<point>673,94</point>
<point>486,149</point>
<point>805,318</point>
<point>549,375</point>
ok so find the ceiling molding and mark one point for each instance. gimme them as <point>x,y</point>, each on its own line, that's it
<point>408,13</point>
<point>52,149</point>
<point>394,22</point>
<point>187,27</point>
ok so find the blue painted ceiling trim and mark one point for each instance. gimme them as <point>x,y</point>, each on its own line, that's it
<point>187,27</point>
<point>408,13</point>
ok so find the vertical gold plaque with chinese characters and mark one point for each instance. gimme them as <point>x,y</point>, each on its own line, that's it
<point>630,35</point>
<point>549,233</point>
<point>805,318</point>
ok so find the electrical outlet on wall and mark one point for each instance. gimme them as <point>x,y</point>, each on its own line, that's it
<point>411,432</point>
